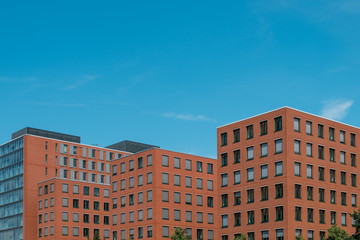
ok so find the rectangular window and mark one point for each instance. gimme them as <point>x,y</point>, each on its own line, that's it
<point>165,160</point>
<point>198,166</point>
<point>343,178</point>
<point>264,215</point>
<point>250,174</point>
<point>309,172</point>
<point>343,219</point>
<point>343,198</point>
<point>342,157</point>
<point>309,149</point>
<point>332,155</point>
<point>297,124</point>
<point>320,131</point>
<point>251,217</point>
<point>140,162</point>
<point>278,168</point>
<point>321,174</point>
<point>188,181</point>
<point>321,152</point>
<point>264,149</point>
<point>224,200</point>
<point>278,146</point>
<point>278,124</point>
<point>210,168</point>
<point>279,213</point>
<point>279,190</point>
<point>321,195</point>
<point>237,177</point>
<point>298,213</point>
<point>223,139</point>
<point>131,165</point>
<point>332,196</point>
<point>310,193</point>
<point>297,146</point>
<point>264,193</point>
<point>353,160</point>
<point>224,180</point>
<point>250,153</point>
<point>237,198</point>
<point>353,180</point>
<point>250,195</point>
<point>188,164</point>
<point>333,217</point>
<point>353,200</point>
<point>331,134</point>
<point>352,139</point>
<point>249,132</point>
<point>310,235</point>
<point>237,156</point>
<point>310,215</point>
<point>224,159</point>
<point>264,171</point>
<point>297,169</point>
<point>308,127</point>
<point>149,160</point>
<point>342,136</point>
<point>237,219</point>
<point>236,135</point>
<point>332,175</point>
<point>263,128</point>
<point>224,221</point>
<point>176,162</point>
<point>298,191</point>
<point>165,178</point>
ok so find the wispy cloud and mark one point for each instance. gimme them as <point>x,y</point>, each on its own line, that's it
<point>188,117</point>
<point>57,104</point>
<point>84,79</point>
<point>336,110</point>
<point>17,79</point>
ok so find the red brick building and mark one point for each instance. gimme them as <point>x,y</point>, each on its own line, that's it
<point>285,173</point>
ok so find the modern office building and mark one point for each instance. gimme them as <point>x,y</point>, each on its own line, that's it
<point>285,173</point>
<point>54,187</point>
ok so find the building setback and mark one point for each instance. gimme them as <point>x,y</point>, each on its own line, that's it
<point>278,175</point>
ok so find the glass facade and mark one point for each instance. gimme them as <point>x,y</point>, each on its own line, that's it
<point>11,190</point>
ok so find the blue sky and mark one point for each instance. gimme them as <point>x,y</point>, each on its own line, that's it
<point>169,72</point>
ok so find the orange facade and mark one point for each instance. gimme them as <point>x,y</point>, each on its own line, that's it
<point>285,173</point>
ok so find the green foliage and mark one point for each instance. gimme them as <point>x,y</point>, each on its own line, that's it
<point>356,217</point>
<point>179,234</point>
<point>96,236</point>
<point>336,233</point>
<point>299,237</point>
<point>242,237</point>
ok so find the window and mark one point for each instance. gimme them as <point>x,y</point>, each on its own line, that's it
<point>264,149</point>
<point>140,180</point>
<point>298,213</point>
<point>237,156</point>
<point>224,180</point>
<point>165,213</point>
<point>342,136</point>
<point>332,196</point>
<point>251,217</point>
<point>131,165</point>
<point>224,221</point>
<point>332,175</point>
<point>249,132</point>
<point>165,178</point>
<point>279,190</point>
<point>352,139</point>
<point>210,168</point>
<point>176,180</point>
<point>342,157</point>
<point>188,164</point>
<point>251,236</point>
<point>199,183</point>
<point>250,174</point>
<point>263,128</point>
<point>308,127</point>
<point>278,146</point>
<point>75,203</point>
<point>96,192</point>
<point>297,124</point>
<point>224,139</point>
<point>320,131</point>
<point>310,215</point>
<point>149,160</point>
<point>265,235</point>
<point>224,159</point>
<point>149,213</point>
<point>176,162</point>
<point>250,153</point>
<point>210,201</point>
<point>165,160</point>
<point>333,217</point>
<point>322,216</point>
<point>199,217</point>
<point>188,200</point>
<point>65,188</point>
<point>140,162</point>
<point>331,134</point>
<point>188,216</point>
<point>297,146</point>
<point>321,174</point>
<point>343,198</point>
<point>321,152</point>
<point>210,185</point>
<point>236,135</point>
<point>149,178</point>
<point>237,177</point>
<point>309,149</point>
<point>321,195</point>
<point>343,219</point>
<point>278,168</point>
<point>165,231</point>
<point>250,195</point>
<point>264,215</point>
<point>264,193</point>
<point>123,183</point>
<point>279,213</point>
<point>122,167</point>
<point>165,196</point>
<point>64,231</point>
<point>310,193</point>
<point>177,216</point>
<point>310,235</point>
<point>298,191</point>
<point>279,234</point>
<point>332,155</point>
<point>353,160</point>
<point>353,180</point>
<point>65,202</point>
<point>224,200</point>
<point>188,181</point>
<point>278,124</point>
<point>343,178</point>
<point>264,171</point>
<point>297,169</point>
<point>237,198</point>
<point>198,166</point>
<point>309,172</point>
<point>353,200</point>
<point>210,218</point>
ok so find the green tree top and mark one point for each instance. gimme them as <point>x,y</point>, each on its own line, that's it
<point>336,233</point>
<point>241,237</point>
<point>179,234</point>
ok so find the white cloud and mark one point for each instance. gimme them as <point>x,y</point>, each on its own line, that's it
<point>187,117</point>
<point>84,80</point>
<point>336,110</point>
